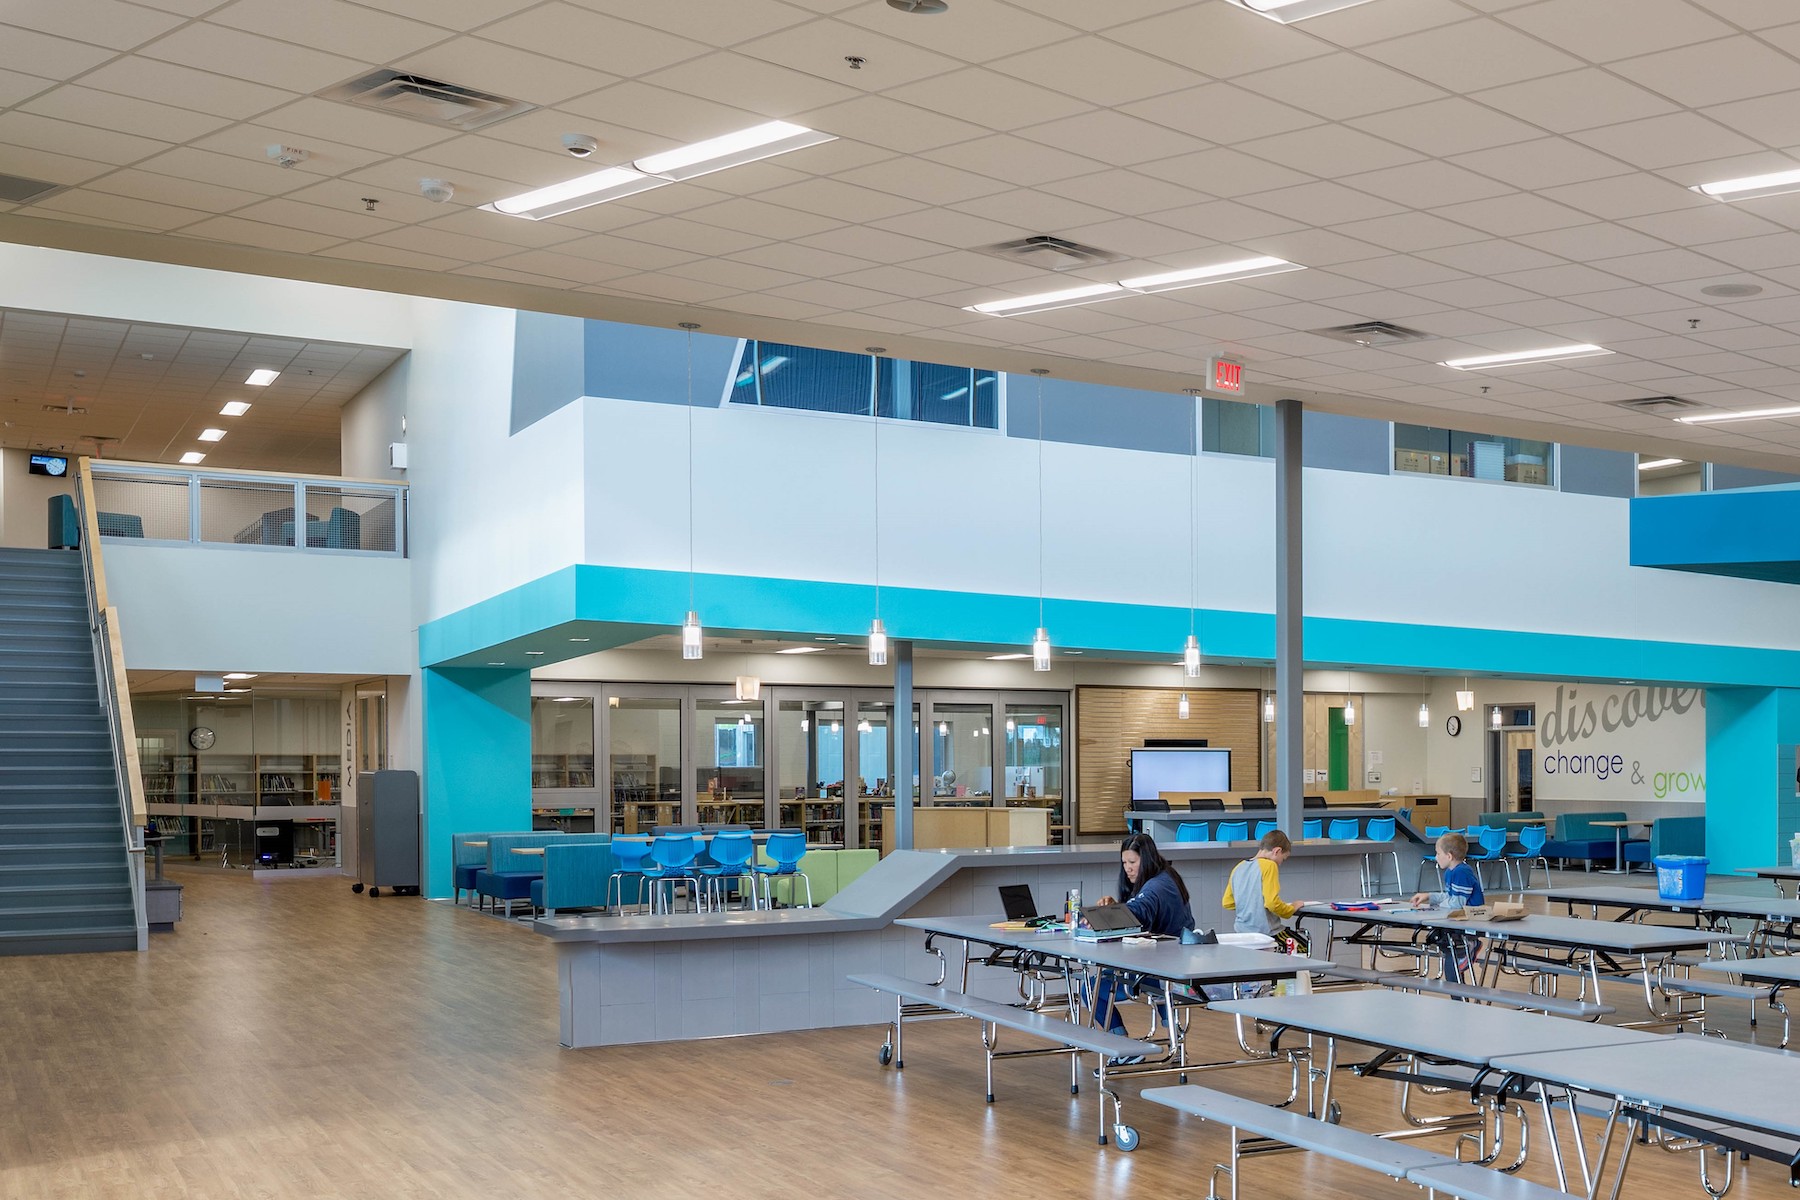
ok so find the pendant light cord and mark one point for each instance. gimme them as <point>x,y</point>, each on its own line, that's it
<point>876,415</point>
<point>1040,496</point>
<point>690,458</point>
<point>1194,527</point>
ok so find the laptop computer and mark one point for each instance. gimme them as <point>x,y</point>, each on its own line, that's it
<point>1016,899</point>
<point>1108,922</point>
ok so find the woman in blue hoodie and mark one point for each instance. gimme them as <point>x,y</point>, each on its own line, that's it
<point>1158,897</point>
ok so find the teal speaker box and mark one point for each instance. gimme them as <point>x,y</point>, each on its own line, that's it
<point>65,531</point>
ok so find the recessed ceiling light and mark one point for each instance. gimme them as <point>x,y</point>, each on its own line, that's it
<point>1246,268</point>
<point>1750,187</point>
<point>581,639</point>
<point>1732,291</point>
<point>1018,306</point>
<point>212,435</point>
<point>1287,11</point>
<point>1482,362</point>
<point>803,650</point>
<point>731,150</point>
<point>1753,414</point>
<point>1656,464</point>
<point>496,664</point>
<point>536,653</point>
<point>240,675</point>
<point>824,637</point>
<point>1006,657</point>
<point>235,408</point>
<point>262,377</point>
<point>192,458</point>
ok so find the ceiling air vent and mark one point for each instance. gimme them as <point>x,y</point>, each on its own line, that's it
<point>15,189</point>
<point>1373,333</point>
<point>429,100</point>
<point>1052,253</point>
<point>1656,405</point>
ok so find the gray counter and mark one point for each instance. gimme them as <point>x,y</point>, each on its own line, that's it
<point>668,978</point>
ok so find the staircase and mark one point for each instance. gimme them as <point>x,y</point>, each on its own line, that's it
<point>65,883</point>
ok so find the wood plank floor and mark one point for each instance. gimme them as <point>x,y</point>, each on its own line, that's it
<point>294,1040</point>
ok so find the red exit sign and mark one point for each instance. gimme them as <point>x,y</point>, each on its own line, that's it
<point>1225,376</point>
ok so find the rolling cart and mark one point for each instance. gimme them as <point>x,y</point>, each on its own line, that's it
<point>387,832</point>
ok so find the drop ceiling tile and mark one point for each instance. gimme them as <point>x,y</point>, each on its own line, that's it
<point>183,87</point>
<point>1218,40</point>
<point>831,294</point>
<point>592,39</point>
<point>1225,221</point>
<point>255,233</point>
<point>1098,71</point>
<point>1223,172</point>
<point>1541,314</point>
<point>254,59</point>
<point>1471,55</point>
<point>1663,266</point>
<point>332,26</point>
<point>757,217</point>
<point>1543,163</point>
<point>31,52</point>
<point>505,71</point>
<point>1329,151</point>
<point>1084,15</point>
<point>1225,113</point>
<point>1587,243</point>
<point>1731,68</point>
<point>1397,271</point>
<point>1321,204</point>
<point>199,195</point>
<point>1341,86</point>
<point>1699,226</point>
<point>677,233</point>
<point>55,168</point>
<point>1112,137</point>
<point>915,234</point>
<point>966,266</point>
<point>611,248</point>
<point>880,121</point>
<point>124,210</point>
<point>1146,240</point>
<point>1373,23</point>
<point>1128,192</point>
<point>107,23</point>
<point>1024,162</point>
<point>773,306</point>
<point>1667,141</point>
<point>398,200</point>
<point>29,131</point>
<point>1472,293</point>
<point>1426,184</point>
<point>1569,280</point>
<point>342,224</point>
<point>763,87</point>
<point>1759,253</point>
<point>1607,30</point>
<point>804,260</point>
<point>665,287</point>
<point>1446,127</point>
<point>1509,216</point>
<point>1767,119</point>
<point>1036,210</point>
<point>715,24</point>
<point>1310,247</point>
<point>1491,257</point>
<point>1631,302</point>
<point>838,200</point>
<point>996,101</point>
<point>470,156</point>
<point>1411,231</point>
<point>1634,195</point>
<point>819,48</point>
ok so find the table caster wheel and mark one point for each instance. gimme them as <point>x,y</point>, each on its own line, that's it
<point>374,891</point>
<point>357,888</point>
<point>1334,1113</point>
<point>1125,1138</point>
<point>885,1055</point>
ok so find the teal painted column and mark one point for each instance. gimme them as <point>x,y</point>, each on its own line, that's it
<point>1751,811</point>
<point>477,760</point>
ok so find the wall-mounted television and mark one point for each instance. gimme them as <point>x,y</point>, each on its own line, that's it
<point>1155,771</point>
<point>49,464</point>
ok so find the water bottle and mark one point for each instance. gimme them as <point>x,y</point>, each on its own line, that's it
<point>1794,851</point>
<point>1072,917</point>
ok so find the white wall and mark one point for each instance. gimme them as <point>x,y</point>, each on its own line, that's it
<point>373,419</point>
<point>25,501</point>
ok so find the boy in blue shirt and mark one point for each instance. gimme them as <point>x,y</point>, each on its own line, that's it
<point>1462,889</point>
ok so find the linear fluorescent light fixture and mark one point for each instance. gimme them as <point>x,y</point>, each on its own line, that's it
<point>614,183</point>
<point>1287,11</point>
<point>192,458</point>
<point>1751,414</point>
<point>1248,268</point>
<point>1006,657</point>
<point>1482,362</point>
<point>212,435</point>
<point>1657,464</point>
<point>235,408</point>
<point>731,150</point>
<point>1750,187</point>
<point>1142,285</point>
<point>802,650</point>
<point>262,377</point>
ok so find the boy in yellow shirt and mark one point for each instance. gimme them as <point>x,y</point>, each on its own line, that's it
<point>1259,879</point>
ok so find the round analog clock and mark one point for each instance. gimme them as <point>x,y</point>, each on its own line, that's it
<point>201,738</point>
<point>1452,724</point>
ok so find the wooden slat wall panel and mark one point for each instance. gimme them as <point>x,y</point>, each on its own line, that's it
<point>1317,738</point>
<point>1114,721</point>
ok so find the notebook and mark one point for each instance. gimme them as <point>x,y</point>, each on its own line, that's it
<point>1108,922</point>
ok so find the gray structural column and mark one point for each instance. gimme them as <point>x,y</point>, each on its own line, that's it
<point>1290,655</point>
<point>906,746</point>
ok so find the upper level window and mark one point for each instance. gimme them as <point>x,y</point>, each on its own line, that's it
<point>1237,427</point>
<point>1429,451</point>
<point>776,375</point>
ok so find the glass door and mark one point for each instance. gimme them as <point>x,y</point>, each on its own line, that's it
<point>1034,762</point>
<point>809,767</point>
<point>962,754</point>
<point>728,763</point>
<point>641,730</point>
<point>874,746</point>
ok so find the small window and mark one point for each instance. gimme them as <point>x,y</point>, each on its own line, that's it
<point>1424,450</point>
<point>1235,427</point>
<point>775,375</point>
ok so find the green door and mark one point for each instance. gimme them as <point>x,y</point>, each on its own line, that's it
<point>1337,747</point>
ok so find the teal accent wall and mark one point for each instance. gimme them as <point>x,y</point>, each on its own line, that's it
<point>1751,811</point>
<point>477,760</point>
<point>1752,534</point>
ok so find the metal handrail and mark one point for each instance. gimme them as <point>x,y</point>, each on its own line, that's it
<point>115,704</point>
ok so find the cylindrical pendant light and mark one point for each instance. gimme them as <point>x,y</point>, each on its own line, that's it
<point>1424,715</point>
<point>1269,707</point>
<point>1190,658</point>
<point>1040,650</point>
<point>877,644</point>
<point>690,635</point>
<point>1494,717</point>
<point>1182,710</point>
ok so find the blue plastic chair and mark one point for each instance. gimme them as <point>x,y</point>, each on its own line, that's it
<point>1193,831</point>
<point>1530,852</point>
<point>731,854</point>
<point>672,861</point>
<point>785,850</point>
<point>1263,829</point>
<point>1233,831</point>
<point>629,853</point>
<point>1312,830</point>
<point>1342,829</point>
<point>1493,845</point>
<point>1379,829</point>
<point>1429,858</point>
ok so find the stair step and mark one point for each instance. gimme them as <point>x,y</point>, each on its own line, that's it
<point>70,941</point>
<point>63,895</point>
<point>26,696</point>
<point>63,833</point>
<point>57,745</point>
<point>54,871</point>
<point>61,856</point>
<point>60,917</point>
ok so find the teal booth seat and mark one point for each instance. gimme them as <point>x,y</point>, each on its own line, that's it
<point>466,861</point>
<point>576,869</point>
<point>1578,837</point>
<point>508,874</point>
<point>1670,835</point>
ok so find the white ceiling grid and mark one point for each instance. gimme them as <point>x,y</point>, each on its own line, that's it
<point>1496,173</point>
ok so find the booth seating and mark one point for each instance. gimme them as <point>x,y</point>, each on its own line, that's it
<point>1578,837</point>
<point>1670,835</point>
<point>577,868</point>
<point>828,871</point>
<point>466,861</point>
<point>508,875</point>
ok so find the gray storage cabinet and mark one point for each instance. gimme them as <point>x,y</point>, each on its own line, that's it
<point>387,832</point>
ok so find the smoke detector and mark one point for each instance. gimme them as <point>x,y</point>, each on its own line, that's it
<point>438,191</point>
